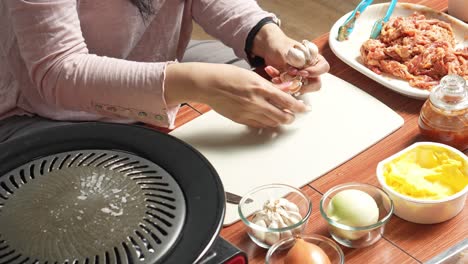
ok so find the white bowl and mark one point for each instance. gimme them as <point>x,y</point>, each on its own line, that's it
<point>425,211</point>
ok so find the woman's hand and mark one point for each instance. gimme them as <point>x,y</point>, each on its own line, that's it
<point>272,44</point>
<point>238,94</point>
<point>312,73</point>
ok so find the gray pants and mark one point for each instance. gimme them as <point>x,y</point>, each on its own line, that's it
<point>197,51</point>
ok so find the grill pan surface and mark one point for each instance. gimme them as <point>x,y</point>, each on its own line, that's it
<point>106,193</point>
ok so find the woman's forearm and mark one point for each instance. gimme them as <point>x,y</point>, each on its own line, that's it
<point>66,76</point>
<point>229,20</point>
<point>193,81</point>
<point>179,82</point>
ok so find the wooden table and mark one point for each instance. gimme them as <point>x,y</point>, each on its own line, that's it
<point>403,242</point>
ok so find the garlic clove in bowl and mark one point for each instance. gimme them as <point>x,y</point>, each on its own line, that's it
<point>278,211</point>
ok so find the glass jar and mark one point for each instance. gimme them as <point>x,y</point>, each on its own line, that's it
<point>444,116</point>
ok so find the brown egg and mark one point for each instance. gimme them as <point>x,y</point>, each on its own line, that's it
<point>304,252</point>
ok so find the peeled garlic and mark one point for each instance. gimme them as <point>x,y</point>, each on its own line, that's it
<point>276,213</point>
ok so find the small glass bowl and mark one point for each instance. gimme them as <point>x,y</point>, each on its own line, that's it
<point>358,237</point>
<point>254,201</point>
<point>278,251</point>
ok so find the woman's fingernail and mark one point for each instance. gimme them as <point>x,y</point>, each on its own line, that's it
<point>276,80</point>
<point>292,71</point>
<point>304,73</point>
<point>308,108</point>
<point>284,85</point>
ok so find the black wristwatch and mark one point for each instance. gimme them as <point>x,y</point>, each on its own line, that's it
<point>256,61</point>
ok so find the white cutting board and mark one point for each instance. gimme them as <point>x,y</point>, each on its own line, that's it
<point>343,122</point>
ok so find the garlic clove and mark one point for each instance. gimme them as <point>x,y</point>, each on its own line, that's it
<point>261,216</point>
<point>313,51</point>
<point>289,206</point>
<point>290,220</point>
<point>272,237</point>
<point>295,215</point>
<point>296,58</point>
<point>284,234</point>
<point>261,213</point>
<point>276,213</point>
<point>282,202</point>
<point>269,205</point>
<point>269,215</point>
<point>260,235</point>
<point>305,51</point>
<point>293,218</point>
<point>281,222</point>
<point>282,212</point>
<point>276,216</point>
<point>302,55</point>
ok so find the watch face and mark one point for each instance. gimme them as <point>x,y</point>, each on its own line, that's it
<point>277,21</point>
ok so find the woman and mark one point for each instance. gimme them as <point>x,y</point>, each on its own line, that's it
<point>117,60</point>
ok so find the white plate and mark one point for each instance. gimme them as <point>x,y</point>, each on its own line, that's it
<point>348,51</point>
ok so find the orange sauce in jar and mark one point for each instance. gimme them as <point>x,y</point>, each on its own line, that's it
<point>447,128</point>
<point>444,116</point>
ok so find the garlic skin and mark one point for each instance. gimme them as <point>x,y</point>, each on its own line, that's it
<point>296,82</point>
<point>276,213</point>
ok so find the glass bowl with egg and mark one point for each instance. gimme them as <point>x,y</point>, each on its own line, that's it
<point>427,181</point>
<point>273,212</point>
<point>305,249</point>
<point>356,213</point>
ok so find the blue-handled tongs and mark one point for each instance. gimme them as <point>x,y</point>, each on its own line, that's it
<point>379,23</point>
<point>348,25</point>
<point>345,30</point>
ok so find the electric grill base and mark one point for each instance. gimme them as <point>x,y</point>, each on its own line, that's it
<point>96,193</point>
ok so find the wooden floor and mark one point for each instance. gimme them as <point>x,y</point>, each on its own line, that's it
<point>302,19</point>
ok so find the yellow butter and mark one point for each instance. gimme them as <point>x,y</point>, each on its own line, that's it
<point>427,172</point>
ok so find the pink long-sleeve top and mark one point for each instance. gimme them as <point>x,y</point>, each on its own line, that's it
<point>100,60</point>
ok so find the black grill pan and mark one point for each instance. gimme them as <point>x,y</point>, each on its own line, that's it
<point>106,193</point>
